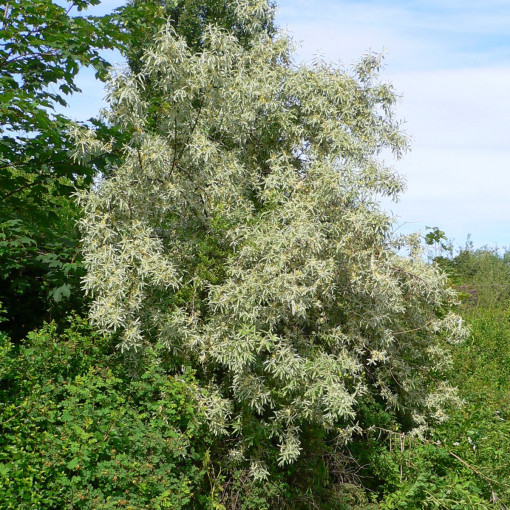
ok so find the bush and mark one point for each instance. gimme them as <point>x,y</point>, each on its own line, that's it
<point>484,275</point>
<point>464,463</point>
<point>78,432</point>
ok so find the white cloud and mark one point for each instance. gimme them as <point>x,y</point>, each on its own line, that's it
<point>459,108</point>
<point>418,34</point>
<point>451,62</point>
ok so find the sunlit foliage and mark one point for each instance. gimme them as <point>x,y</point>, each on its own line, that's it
<point>243,233</point>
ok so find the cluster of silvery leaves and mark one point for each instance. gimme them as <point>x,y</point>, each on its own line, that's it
<point>276,168</point>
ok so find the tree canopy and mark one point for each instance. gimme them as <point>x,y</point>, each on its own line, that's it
<point>243,232</point>
<point>43,45</point>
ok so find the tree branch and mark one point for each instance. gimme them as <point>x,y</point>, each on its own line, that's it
<point>174,161</point>
<point>21,188</point>
<point>6,12</point>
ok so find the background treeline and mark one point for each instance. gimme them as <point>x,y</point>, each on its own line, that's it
<point>83,425</point>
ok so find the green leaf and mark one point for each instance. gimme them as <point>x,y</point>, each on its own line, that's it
<point>64,291</point>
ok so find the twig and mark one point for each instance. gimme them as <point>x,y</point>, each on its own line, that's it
<point>412,330</point>
<point>192,130</point>
<point>400,270</point>
<point>472,468</point>
<point>174,160</point>
<point>139,159</point>
<point>21,188</point>
<point>6,12</point>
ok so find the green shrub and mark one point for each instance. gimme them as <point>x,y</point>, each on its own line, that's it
<point>78,432</point>
<point>485,273</point>
<point>465,462</point>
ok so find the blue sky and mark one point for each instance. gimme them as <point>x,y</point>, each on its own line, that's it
<point>450,61</point>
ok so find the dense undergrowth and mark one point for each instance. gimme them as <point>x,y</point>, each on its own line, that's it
<point>465,462</point>
<point>79,430</point>
<point>84,426</point>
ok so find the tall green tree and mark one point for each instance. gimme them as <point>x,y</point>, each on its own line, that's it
<point>42,47</point>
<point>243,232</point>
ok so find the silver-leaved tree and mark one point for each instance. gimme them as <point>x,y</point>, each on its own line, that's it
<point>243,232</point>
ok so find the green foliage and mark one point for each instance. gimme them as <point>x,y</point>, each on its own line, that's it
<point>42,48</point>
<point>242,231</point>
<point>437,239</point>
<point>143,19</point>
<point>427,477</point>
<point>39,262</point>
<point>483,274</point>
<point>464,463</point>
<point>482,426</point>
<point>78,431</point>
<point>236,231</point>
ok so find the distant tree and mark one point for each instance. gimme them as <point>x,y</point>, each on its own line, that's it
<point>243,233</point>
<point>482,276</point>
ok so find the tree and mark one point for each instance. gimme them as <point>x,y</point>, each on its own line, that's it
<point>243,233</point>
<point>42,48</point>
